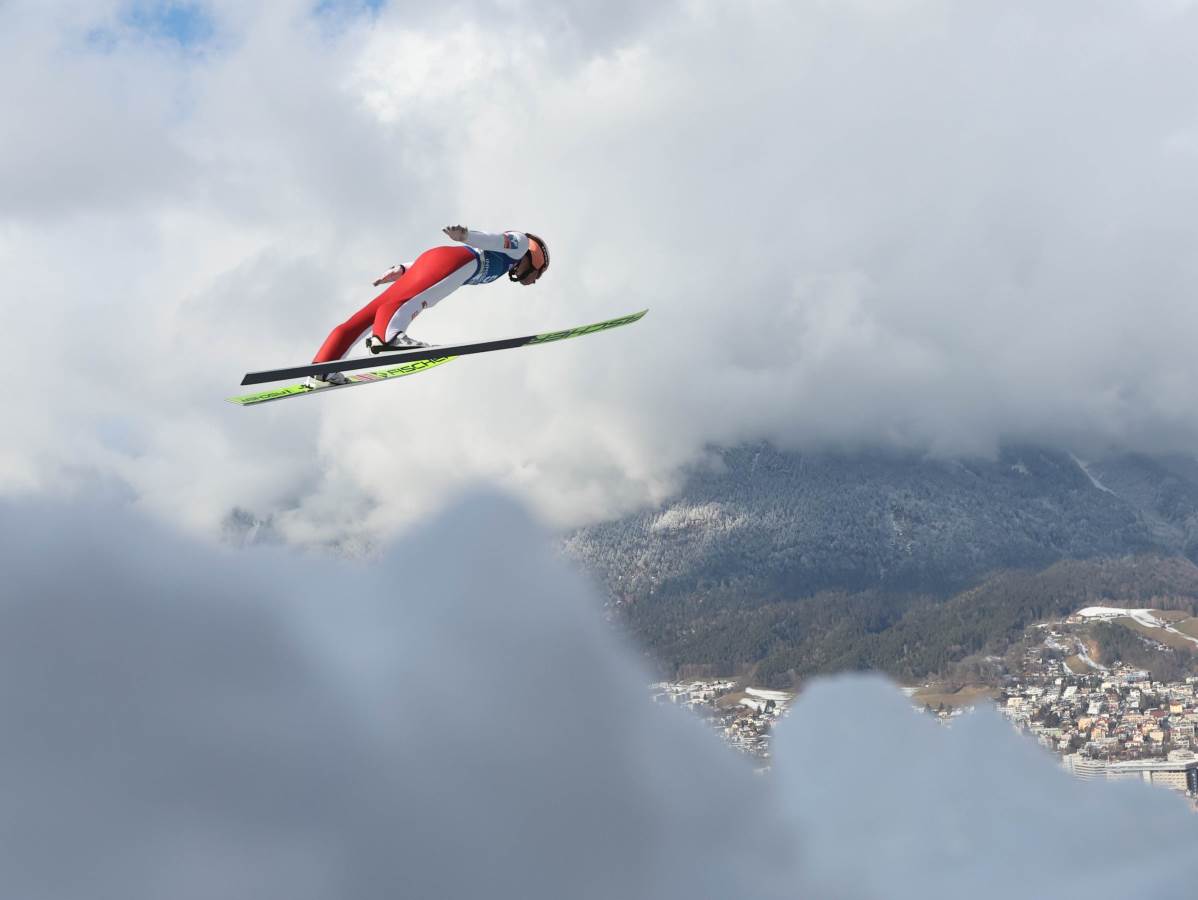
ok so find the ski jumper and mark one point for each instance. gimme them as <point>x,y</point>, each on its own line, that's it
<point>434,275</point>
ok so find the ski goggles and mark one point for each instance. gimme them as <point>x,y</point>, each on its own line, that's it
<point>533,265</point>
<point>539,258</point>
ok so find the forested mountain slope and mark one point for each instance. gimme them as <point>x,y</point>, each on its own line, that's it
<point>785,560</point>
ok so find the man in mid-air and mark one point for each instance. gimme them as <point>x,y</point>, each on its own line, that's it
<point>433,276</point>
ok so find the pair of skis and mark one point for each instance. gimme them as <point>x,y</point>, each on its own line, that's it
<point>403,362</point>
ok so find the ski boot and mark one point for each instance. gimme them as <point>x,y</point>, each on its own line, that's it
<point>400,342</point>
<point>326,379</point>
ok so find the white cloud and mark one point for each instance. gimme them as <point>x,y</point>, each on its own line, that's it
<point>455,719</point>
<point>890,804</point>
<point>907,222</point>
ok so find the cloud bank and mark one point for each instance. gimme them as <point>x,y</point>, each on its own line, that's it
<point>456,720</point>
<point>910,223</point>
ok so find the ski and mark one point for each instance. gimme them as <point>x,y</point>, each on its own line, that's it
<point>442,352</point>
<point>301,390</point>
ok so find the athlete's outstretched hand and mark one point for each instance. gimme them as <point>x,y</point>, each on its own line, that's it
<point>391,274</point>
<point>456,232</point>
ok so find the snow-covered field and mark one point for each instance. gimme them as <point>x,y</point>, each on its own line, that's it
<point>1145,617</point>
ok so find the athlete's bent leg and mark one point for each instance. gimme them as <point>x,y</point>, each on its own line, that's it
<point>434,275</point>
<point>348,333</point>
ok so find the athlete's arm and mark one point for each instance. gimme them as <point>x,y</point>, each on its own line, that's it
<point>393,273</point>
<point>512,243</point>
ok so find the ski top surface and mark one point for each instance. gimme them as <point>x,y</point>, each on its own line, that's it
<point>300,390</point>
<point>443,352</point>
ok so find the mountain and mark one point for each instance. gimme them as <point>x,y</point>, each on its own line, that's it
<point>794,563</point>
<point>1163,490</point>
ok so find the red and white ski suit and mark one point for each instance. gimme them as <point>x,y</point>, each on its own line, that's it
<point>433,276</point>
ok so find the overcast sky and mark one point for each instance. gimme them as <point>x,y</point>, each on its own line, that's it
<point>189,722</point>
<point>921,223</point>
<point>905,222</point>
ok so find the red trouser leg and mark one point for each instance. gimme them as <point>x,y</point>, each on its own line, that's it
<point>341,338</point>
<point>430,267</point>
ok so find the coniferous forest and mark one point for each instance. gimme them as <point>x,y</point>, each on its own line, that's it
<point>787,564</point>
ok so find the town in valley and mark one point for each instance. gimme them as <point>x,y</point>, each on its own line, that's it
<point>1102,721</point>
